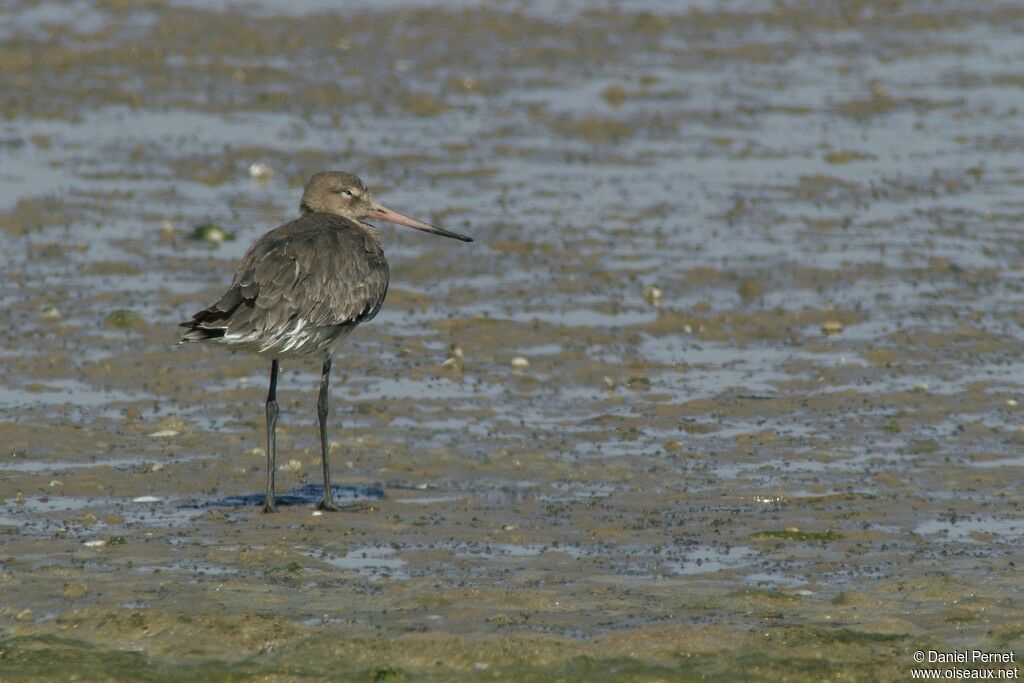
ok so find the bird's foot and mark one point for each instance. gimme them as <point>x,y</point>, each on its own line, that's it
<point>269,507</point>
<point>328,505</point>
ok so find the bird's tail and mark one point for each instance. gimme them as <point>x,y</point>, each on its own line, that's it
<point>196,333</point>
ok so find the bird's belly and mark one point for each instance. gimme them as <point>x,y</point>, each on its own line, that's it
<point>298,339</point>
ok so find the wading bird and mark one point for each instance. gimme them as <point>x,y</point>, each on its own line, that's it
<point>302,287</point>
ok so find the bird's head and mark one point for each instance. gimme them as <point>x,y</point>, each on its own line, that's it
<point>346,195</point>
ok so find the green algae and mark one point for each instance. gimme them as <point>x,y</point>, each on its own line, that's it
<point>796,535</point>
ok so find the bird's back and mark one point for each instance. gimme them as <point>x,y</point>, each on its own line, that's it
<point>298,289</point>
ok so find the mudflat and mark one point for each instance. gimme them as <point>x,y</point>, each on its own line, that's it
<point>726,389</point>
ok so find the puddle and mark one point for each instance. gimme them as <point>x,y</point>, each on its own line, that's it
<point>374,562</point>
<point>972,530</point>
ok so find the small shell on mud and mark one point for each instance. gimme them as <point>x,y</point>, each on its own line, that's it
<point>167,230</point>
<point>260,171</point>
<point>50,313</point>
<point>156,467</point>
<point>161,433</point>
<point>24,615</point>
<point>920,387</point>
<point>653,295</point>
<point>95,543</point>
<point>520,363</point>
<point>55,482</point>
<point>1012,402</point>
<point>455,358</point>
<point>831,327</point>
<point>318,513</point>
<point>509,527</point>
<point>146,499</point>
<point>292,465</point>
<point>210,232</point>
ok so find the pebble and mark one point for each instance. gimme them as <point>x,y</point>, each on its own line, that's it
<point>260,171</point>
<point>163,433</point>
<point>638,383</point>
<point>831,327</point>
<point>520,363</point>
<point>653,295</point>
<point>146,499</point>
<point>95,543</point>
<point>50,313</point>
<point>167,230</point>
<point>919,388</point>
<point>74,591</point>
<point>1012,402</point>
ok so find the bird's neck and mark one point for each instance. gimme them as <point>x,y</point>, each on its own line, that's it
<point>370,231</point>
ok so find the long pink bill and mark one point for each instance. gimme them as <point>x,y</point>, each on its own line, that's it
<point>383,213</point>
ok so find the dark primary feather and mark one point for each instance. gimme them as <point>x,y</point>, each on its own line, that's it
<point>298,288</point>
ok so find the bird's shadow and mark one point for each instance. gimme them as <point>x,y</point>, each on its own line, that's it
<point>304,495</point>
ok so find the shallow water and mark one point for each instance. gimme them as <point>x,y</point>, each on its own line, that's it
<point>811,437</point>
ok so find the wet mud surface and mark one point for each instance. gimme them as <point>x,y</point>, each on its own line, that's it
<point>727,386</point>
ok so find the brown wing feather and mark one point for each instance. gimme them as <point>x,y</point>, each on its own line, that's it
<point>321,269</point>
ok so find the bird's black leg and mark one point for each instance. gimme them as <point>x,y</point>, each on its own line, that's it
<point>327,501</point>
<point>268,504</point>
